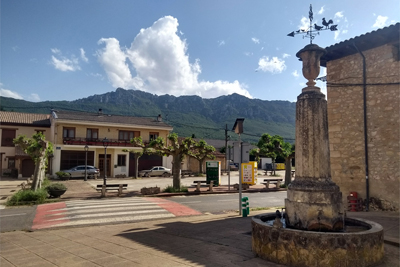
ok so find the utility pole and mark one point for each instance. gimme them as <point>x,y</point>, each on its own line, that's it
<point>228,165</point>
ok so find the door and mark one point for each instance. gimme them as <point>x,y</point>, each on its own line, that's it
<point>28,167</point>
<point>101,165</point>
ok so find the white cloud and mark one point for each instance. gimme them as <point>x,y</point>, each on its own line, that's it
<point>304,23</point>
<point>295,74</point>
<point>97,75</point>
<point>34,98</point>
<point>9,93</point>
<point>273,65</point>
<point>255,40</point>
<point>248,53</point>
<point>157,61</point>
<point>380,22</point>
<point>83,57</point>
<point>339,14</point>
<point>337,33</point>
<point>321,11</point>
<point>221,42</point>
<point>62,63</point>
<point>55,51</point>
<point>285,55</point>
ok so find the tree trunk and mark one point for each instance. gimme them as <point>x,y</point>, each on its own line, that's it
<point>201,161</point>
<point>176,181</point>
<point>288,170</point>
<point>274,166</point>
<point>35,182</point>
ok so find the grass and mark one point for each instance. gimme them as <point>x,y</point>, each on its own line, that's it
<point>171,189</point>
<point>28,197</point>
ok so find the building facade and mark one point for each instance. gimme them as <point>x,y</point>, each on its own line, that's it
<point>363,92</point>
<point>13,161</point>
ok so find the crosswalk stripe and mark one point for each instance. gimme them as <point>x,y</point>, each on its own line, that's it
<point>105,210</point>
<point>78,202</point>
<point>104,206</point>
<point>71,217</point>
<point>115,219</point>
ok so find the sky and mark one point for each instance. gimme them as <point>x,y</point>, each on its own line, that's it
<point>67,50</point>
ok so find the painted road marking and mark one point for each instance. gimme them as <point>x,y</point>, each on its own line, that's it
<point>18,214</point>
<point>92,212</point>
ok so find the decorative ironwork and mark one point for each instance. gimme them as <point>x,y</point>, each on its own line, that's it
<point>314,30</point>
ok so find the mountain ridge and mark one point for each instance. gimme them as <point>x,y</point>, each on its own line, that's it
<point>189,115</point>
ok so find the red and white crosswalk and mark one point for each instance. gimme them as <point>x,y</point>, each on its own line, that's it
<point>106,211</point>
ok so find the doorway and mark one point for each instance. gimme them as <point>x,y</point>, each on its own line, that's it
<point>101,165</point>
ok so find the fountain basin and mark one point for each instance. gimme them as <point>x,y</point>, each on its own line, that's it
<point>294,247</point>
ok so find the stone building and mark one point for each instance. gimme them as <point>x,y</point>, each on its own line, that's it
<point>363,95</point>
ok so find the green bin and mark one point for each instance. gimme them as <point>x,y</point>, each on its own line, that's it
<point>213,172</point>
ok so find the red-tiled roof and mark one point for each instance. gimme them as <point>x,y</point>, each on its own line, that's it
<point>363,42</point>
<point>28,119</point>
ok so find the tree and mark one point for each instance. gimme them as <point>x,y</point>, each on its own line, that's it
<point>178,149</point>
<point>39,150</point>
<point>287,150</point>
<point>201,152</point>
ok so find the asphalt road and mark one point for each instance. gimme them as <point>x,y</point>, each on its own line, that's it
<point>230,202</point>
<point>16,219</point>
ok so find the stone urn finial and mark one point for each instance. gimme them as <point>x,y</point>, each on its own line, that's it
<point>311,55</point>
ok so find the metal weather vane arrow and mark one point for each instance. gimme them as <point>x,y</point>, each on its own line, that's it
<point>313,31</point>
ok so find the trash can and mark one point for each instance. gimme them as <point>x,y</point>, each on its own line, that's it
<point>213,172</point>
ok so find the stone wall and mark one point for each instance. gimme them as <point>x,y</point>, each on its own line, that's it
<point>346,124</point>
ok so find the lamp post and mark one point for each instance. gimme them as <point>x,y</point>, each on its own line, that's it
<point>105,144</point>
<point>86,150</point>
<point>238,128</point>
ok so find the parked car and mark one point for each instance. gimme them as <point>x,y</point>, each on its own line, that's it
<point>156,171</point>
<point>234,166</point>
<point>79,171</point>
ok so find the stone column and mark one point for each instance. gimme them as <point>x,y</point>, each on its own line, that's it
<point>313,201</point>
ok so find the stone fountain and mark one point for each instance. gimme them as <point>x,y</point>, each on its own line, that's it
<point>316,227</point>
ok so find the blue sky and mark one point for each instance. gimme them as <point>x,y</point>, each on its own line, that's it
<point>67,50</point>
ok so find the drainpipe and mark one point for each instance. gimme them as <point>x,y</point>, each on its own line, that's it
<point>365,125</point>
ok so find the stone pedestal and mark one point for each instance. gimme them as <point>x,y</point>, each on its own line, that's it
<point>313,201</point>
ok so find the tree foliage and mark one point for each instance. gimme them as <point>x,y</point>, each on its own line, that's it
<point>201,152</point>
<point>176,148</point>
<point>39,150</point>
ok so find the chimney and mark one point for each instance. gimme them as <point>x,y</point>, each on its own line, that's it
<point>100,112</point>
<point>159,118</point>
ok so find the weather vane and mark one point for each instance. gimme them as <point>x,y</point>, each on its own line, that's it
<point>312,31</point>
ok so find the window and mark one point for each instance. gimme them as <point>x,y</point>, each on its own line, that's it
<point>153,136</point>
<point>121,160</point>
<point>128,135</point>
<point>68,132</point>
<point>40,131</point>
<point>92,134</point>
<point>7,137</point>
<point>11,163</point>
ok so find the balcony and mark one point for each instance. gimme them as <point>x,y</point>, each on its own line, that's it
<point>98,142</point>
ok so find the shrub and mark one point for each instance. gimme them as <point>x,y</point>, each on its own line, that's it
<point>56,186</point>
<point>28,197</point>
<point>283,186</point>
<point>171,189</point>
<point>63,175</point>
<point>46,182</point>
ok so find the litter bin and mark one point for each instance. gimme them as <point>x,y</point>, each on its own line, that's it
<point>213,172</point>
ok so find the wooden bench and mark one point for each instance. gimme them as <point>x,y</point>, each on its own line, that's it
<point>244,186</point>
<point>267,182</point>
<point>198,184</point>
<point>186,172</point>
<point>109,187</point>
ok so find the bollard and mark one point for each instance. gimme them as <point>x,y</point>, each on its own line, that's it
<point>244,207</point>
<point>247,206</point>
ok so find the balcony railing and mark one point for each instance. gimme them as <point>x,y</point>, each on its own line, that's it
<point>98,142</point>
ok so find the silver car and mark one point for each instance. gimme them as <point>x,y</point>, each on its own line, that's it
<point>79,171</point>
<point>156,171</point>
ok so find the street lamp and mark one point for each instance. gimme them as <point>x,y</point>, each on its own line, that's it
<point>238,128</point>
<point>105,144</point>
<point>86,150</point>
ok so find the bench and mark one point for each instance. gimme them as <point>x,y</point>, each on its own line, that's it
<point>266,172</point>
<point>267,182</point>
<point>198,184</point>
<point>108,187</point>
<point>244,186</point>
<point>186,172</point>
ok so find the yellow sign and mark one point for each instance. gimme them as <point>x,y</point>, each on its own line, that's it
<point>249,173</point>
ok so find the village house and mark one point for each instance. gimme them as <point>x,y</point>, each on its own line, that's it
<point>13,161</point>
<point>363,115</point>
<point>72,131</point>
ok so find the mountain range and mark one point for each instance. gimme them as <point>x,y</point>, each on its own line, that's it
<point>189,115</point>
